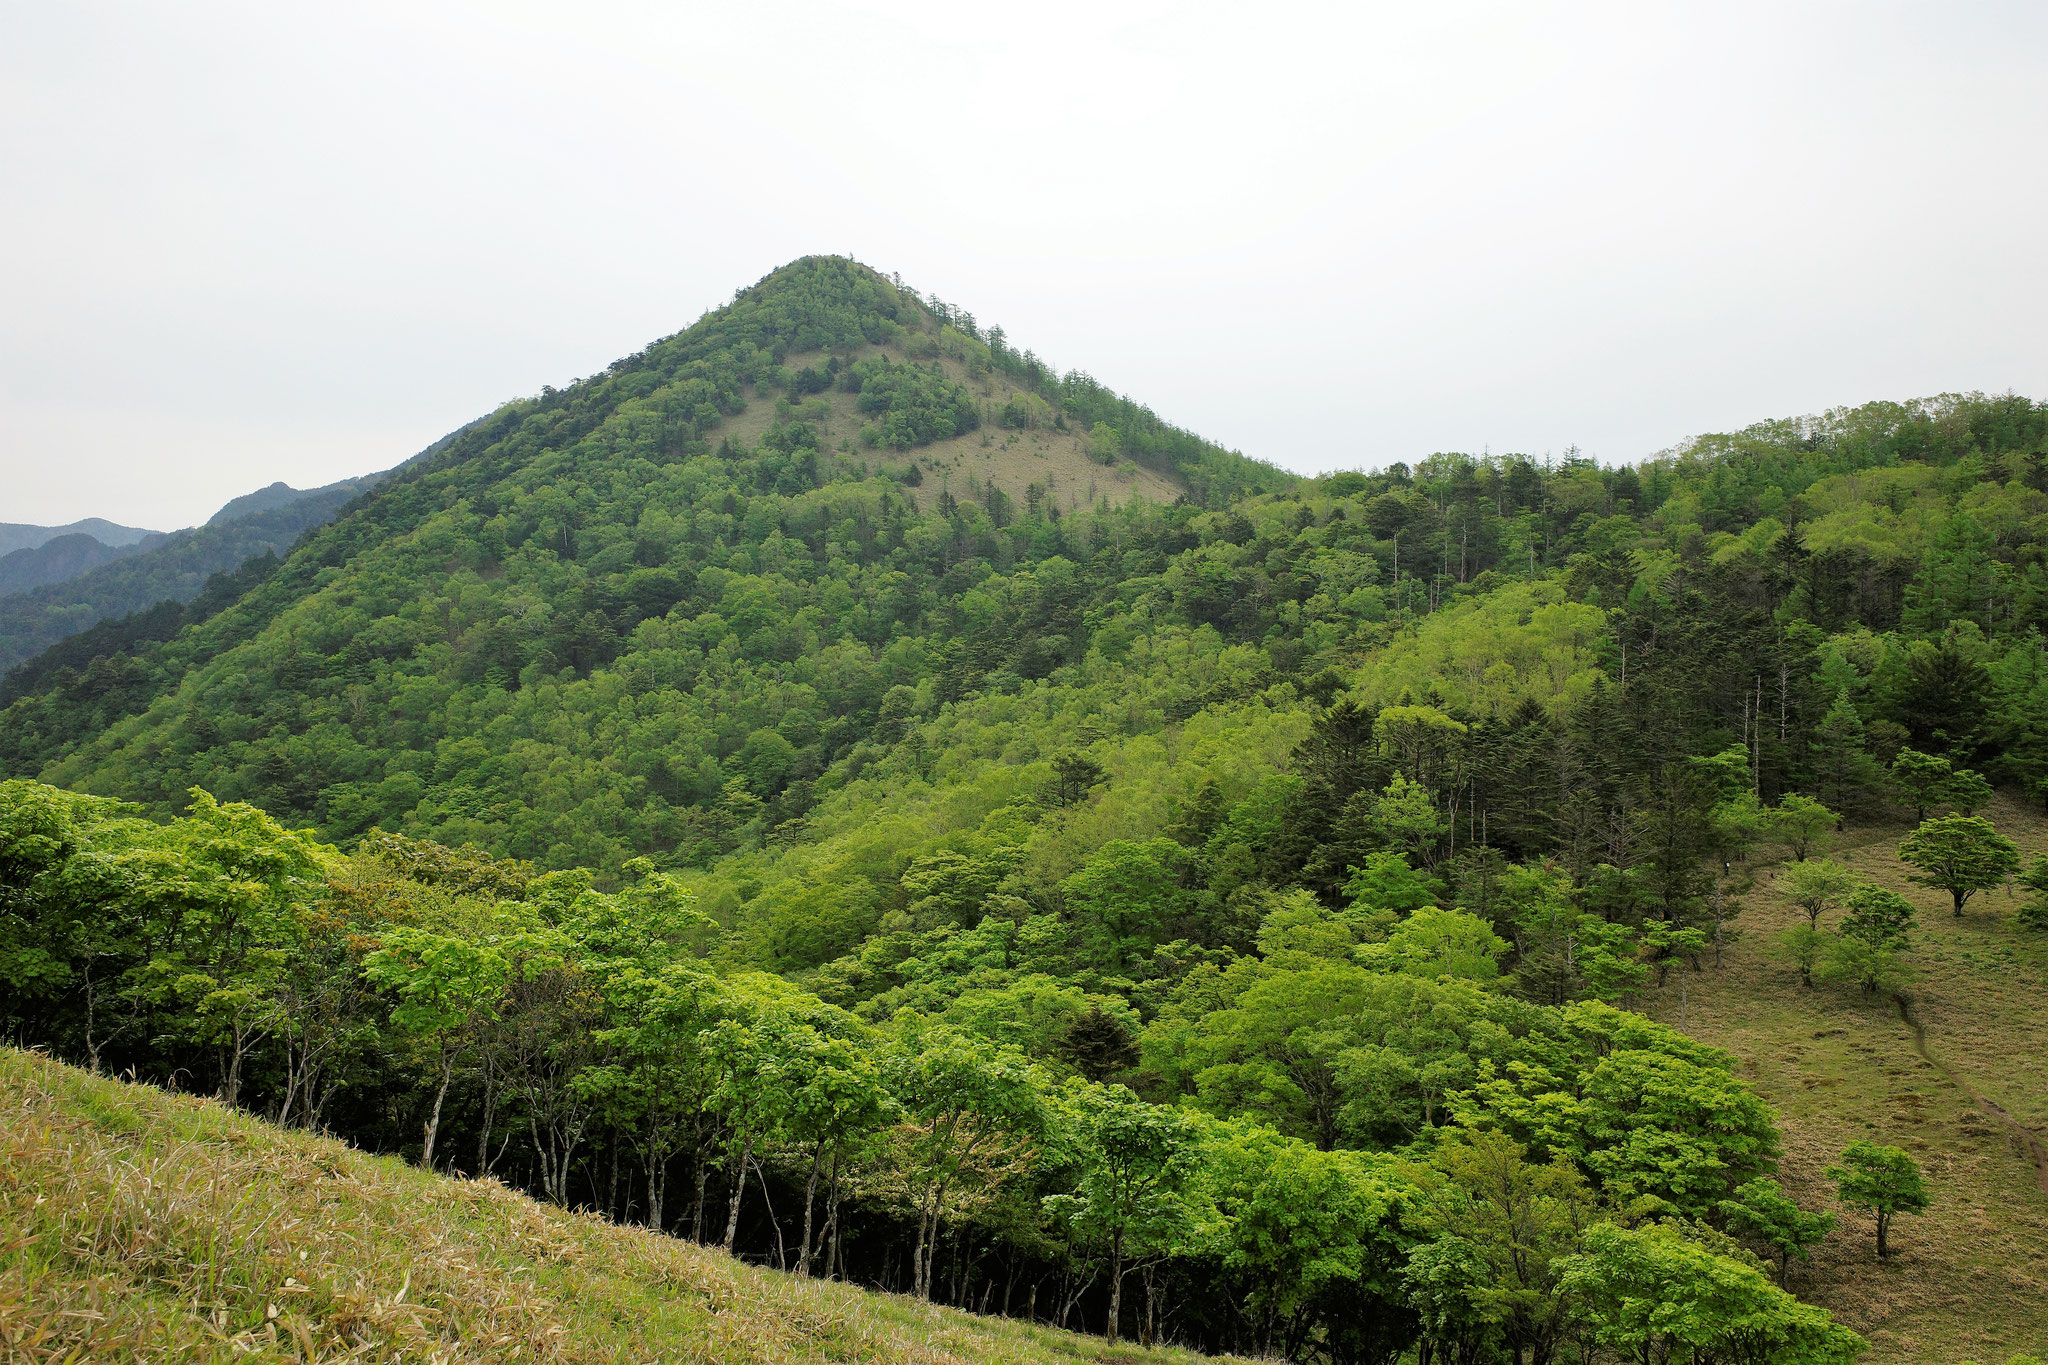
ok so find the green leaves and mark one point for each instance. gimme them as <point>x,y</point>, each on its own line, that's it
<point>1884,1181</point>
<point>1648,1291</point>
<point>1960,854</point>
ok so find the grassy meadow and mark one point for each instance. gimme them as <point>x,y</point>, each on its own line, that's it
<point>137,1225</point>
<point>1969,1279</point>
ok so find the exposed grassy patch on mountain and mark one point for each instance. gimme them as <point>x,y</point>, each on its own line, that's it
<point>169,569</point>
<point>146,1226</point>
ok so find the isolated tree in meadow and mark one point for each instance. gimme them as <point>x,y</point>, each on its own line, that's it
<point>1815,885</point>
<point>1967,791</point>
<point>1759,1213</point>
<point>1960,854</point>
<point>1872,966</point>
<point>2034,913</point>
<point>446,987</point>
<point>1921,779</point>
<point>1885,1181</point>
<point>1878,915</point>
<point>1803,946</point>
<point>1800,823</point>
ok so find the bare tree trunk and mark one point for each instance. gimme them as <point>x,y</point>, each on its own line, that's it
<point>803,1257</point>
<point>434,1119</point>
<point>1116,1288</point>
<point>739,1189</point>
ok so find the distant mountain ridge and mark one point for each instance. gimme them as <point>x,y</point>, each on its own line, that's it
<point>62,558</point>
<point>71,583</point>
<point>16,535</point>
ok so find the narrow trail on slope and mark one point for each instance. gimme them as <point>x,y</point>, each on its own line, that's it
<point>2035,1147</point>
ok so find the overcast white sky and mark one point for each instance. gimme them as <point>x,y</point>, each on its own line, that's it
<point>247,242</point>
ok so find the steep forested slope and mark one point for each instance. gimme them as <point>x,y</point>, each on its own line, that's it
<point>684,525</point>
<point>166,569</point>
<point>1219,912</point>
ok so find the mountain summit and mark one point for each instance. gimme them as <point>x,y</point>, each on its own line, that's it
<point>756,529</point>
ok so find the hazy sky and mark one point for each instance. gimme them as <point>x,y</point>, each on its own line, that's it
<point>285,241</point>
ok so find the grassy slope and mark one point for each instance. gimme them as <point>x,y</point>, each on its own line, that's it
<point>139,1225</point>
<point>1058,460</point>
<point>1970,1278</point>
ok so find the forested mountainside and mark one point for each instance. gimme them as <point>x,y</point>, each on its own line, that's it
<point>701,517</point>
<point>134,588</point>
<point>745,799</point>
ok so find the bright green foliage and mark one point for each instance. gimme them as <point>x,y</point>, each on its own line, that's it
<point>970,1106</point>
<point>1443,945</point>
<point>1385,881</point>
<point>1804,946</point>
<point>1922,779</point>
<point>1884,1181</point>
<point>1878,915</point>
<point>1872,967</point>
<point>1816,885</point>
<point>1651,1294</point>
<point>1295,1220</point>
<point>1760,1214</point>
<point>1801,823</point>
<point>1129,1198</point>
<point>1960,854</point>
<point>447,988</point>
<point>1508,1226</point>
<point>1127,898</point>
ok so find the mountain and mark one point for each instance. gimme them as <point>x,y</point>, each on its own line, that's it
<point>60,558</point>
<point>793,495</point>
<point>19,536</point>
<point>81,587</point>
<point>1443,908</point>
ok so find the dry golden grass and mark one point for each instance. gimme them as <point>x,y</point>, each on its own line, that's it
<point>1969,1279</point>
<point>141,1226</point>
<point>1056,460</point>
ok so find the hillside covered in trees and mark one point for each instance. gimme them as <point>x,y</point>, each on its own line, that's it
<point>747,791</point>
<point>132,588</point>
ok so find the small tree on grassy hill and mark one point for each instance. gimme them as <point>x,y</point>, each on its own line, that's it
<point>1921,779</point>
<point>1968,792</point>
<point>1878,916</point>
<point>1759,1213</point>
<point>1883,1180</point>
<point>1960,854</point>
<point>1871,966</point>
<point>1816,885</point>
<point>2034,914</point>
<point>1802,946</point>
<point>1800,823</point>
